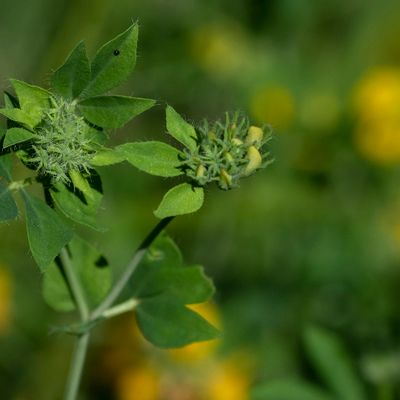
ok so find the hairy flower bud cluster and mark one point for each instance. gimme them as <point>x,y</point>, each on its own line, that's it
<point>64,142</point>
<point>227,151</point>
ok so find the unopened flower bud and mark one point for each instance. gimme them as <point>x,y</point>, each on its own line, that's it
<point>212,135</point>
<point>226,179</point>
<point>254,158</point>
<point>228,157</point>
<point>254,135</point>
<point>237,141</point>
<point>200,171</point>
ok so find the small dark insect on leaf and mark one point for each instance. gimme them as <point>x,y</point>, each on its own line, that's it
<point>116,52</point>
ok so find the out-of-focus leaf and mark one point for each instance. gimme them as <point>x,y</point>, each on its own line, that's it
<point>181,130</point>
<point>92,270</point>
<point>47,232</point>
<point>74,75</point>
<point>288,390</point>
<point>113,63</point>
<point>181,199</point>
<point>113,111</point>
<point>155,158</point>
<point>331,361</point>
<point>8,208</point>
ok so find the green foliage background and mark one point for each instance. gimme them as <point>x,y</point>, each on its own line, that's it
<point>312,240</point>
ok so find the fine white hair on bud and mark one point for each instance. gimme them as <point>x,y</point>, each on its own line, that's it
<point>64,142</point>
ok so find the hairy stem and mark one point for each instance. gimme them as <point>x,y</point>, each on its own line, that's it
<point>78,358</point>
<point>131,267</point>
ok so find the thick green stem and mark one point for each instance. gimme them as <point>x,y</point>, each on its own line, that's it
<point>78,358</point>
<point>130,269</point>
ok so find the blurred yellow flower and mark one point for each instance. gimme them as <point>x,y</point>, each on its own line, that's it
<point>377,96</point>
<point>196,352</point>
<point>273,104</point>
<point>138,384</point>
<point>219,48</point>
<point>5,300</point>
<point>228,383</point>
<point>377,106</point>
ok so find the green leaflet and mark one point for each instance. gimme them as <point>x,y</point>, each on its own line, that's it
<point>5,166</point>
<point>8,207</point>
<point>92,270</point>
<point>32,100</point>
<point>163,286</point>
<point>107,157</point>
<point>288,390</point>
<point>9,101</point>
<point>17,135</point>
<point>47,232</point>
<point>332,363</point>
<point>186,285</point>
<point>113,111</point>
<point>74,75</point>
<point>113,63</point>
<point>155,158</point>
<point>80,209</point>
<point>168,324</point>
<point>81,183</point>
<point>17,115</point>
<point>181,199</point>
<point>181,130</point>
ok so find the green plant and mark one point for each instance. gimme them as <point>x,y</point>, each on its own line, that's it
<point>60,136</point>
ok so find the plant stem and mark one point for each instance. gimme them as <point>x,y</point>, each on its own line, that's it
<point>76,368</point>
<point>75,285</point>
<point>130,269</point>
<point>78,358</point>
<point>120,308</point>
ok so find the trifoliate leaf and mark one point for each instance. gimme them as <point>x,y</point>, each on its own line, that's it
<point>74,75</point>
<point>181,199</point>
<point>47,232</point>
<point>92,271</point>
<point>181,130</point>
<point>113,111</point>
<point>155,158</point>
<point>113,63</point>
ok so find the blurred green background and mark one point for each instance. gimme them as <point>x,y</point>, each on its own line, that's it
<point>305,255</point>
